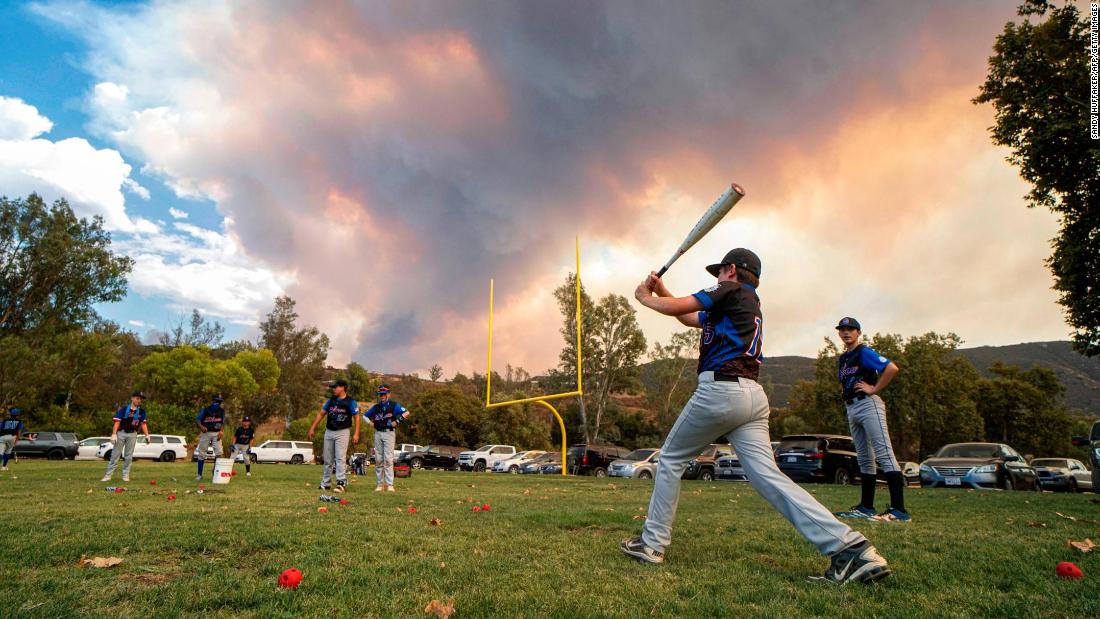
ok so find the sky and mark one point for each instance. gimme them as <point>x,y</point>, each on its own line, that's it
<point>380,162</point>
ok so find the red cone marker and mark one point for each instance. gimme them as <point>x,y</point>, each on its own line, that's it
<point>485,507</point>
<point>1066,569</point>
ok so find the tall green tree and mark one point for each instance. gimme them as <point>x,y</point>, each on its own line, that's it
<point>445,416</point>
<point>54,266</point>
<point>300,353</point>
<point>1023,408</point>
<point>565,375</point>
<point>1038,83</point>
<point>668,383</point>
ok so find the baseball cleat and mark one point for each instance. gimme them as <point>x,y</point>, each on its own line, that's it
<point>893,515</point>
<point>379,488</point>
<point>391,489</point>
<point>637,549</point>
<point>125,478</point>
<point>324,487</point>
<point>106,478</point>
<point>858,511</point>
<point>860,563</point>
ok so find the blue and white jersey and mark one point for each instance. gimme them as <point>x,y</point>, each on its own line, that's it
<point>861,363</point>
<point>130,419</point>
<point>212,417</point>
<point>10,427</point>
<point>385,415</point>
<point>339,413</point>
<point>733,330</point>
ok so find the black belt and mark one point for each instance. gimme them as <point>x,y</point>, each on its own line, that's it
<point>386,430</point>
<point>725,378</point>
<point>851,401</point>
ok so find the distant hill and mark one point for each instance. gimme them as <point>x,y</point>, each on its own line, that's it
<point>1079,374</point>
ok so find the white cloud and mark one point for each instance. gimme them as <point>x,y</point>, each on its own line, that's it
<point>19,121</point>
<point>176,213</point>
<point>137,323</point>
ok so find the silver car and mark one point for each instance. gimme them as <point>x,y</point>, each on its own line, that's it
<point>1062,474</point>
<point>728,468</point>
<point>639,464</point>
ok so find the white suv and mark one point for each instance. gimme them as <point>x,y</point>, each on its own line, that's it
<point>294,452</point>
<point>163,447</point>
<point>484,457</point>
<point>512,465</point>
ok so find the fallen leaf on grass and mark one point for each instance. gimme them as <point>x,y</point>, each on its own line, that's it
<point>98,561</point>
<point>436,522</point>
<point>1037,525</point>
<point>1086,546</point>
<point>1065,516</point>
<point>478,552</point>
<point>528,491</point>
<point>439,609</point>
<point>442,565</point>
<point>637,517</point>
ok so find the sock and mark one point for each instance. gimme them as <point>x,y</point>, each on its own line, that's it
<point>868,497</point>
<point>201,462</point>
<point>896,481</point>
<point>6,456</point>
<point>248,468</point>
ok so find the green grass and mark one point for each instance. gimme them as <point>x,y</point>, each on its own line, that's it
<point>548,548</point>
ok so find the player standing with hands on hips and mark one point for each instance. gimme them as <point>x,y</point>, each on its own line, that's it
<point>385,416</point>
<point>210,420</point>
<point>730,402</point>
<point>863,374</point>
<point>242,442</point>
<point>127,421</point>
<point>11,429</point>
<point>340,413</point>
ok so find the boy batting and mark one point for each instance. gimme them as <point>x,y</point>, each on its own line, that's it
<point>728,401</point>
<point>863,374</point>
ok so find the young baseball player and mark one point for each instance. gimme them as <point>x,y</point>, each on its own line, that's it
<point>863,374</point>
<point>11,430</point>
<point>210,420</point>
<point>242,442</point>
<point>385,416</point>
<point>341,413</point>
<point>128,421</point>
<point>729,401</point>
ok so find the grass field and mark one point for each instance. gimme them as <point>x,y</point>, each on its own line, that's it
<point>549,547</point>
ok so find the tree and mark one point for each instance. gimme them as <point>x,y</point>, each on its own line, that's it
<point>199,332</point>
<point>189,377</point>
<point>567,360</point>
<point>446,416</point>
<point>666,383</point>
<point>1023,409</point>
<point>54,267</point>
<point>1036,83</point>
<point>301,355</point>
<point>435,373</point>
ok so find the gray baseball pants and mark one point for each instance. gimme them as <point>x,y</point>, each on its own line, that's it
<point>124,447</point>
<point>206,439</point>
<point>739,410</point>
<point>384,443</point>
<point>867,421</point>
<point>336,455</point>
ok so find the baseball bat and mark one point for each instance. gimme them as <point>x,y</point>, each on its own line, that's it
<point>709,219</point>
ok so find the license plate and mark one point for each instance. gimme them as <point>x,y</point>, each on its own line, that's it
<point>792,458</point>
<point>953,481</point>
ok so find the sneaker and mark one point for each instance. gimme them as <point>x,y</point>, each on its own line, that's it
<point>391,489</point>
<point>198,477</point>
<point>860,563</point>
<point>106,478</point>
<point>126,478</point>
<point>893,515</point>
<point>340,487</point>
<point>637,549</point>
<point>379,488</point>
<point>248,474</point>
<point>3,468</point>
<point>324,487</point>
<point>858,511</point>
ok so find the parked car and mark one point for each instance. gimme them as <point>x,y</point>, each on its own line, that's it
<point>978,465</point>
<point>511,465</point>
<point>1092,441</point>
<point>407,448</point>
<point>49,445</point>
<point>87,449</point>
<point>1062,474</point>
<point>911,471</point>
<point>728,468</point>
<point>484,457</point>
<point>592,458</point>
<point>548,459</point>
<point>639,464</point>
<point>431,457</point>
<point>702,466</point>
<point>209,455</point>
<point>294,452</point>
<point>828,458</point>
<point>163,447</point>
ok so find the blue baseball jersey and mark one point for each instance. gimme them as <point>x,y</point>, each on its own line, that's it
<point>385,415</point>
<point>243,435</point>
<point>130,419</point>
<point>212,417</point>
<point>733,330</point>
<point>339,413</point>
<point>10,427</point>
<point>861,363</point>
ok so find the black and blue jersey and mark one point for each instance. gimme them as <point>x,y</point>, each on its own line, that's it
<point>339,413</point>
<point>861,363</point>
<point>243,435</point>
<point>212,417</point>
<point>385,415</point>
<point>130,419</point>
<point>733,330</point>
<point>10,427</point>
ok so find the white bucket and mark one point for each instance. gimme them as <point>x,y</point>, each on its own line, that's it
<point>223,470</point>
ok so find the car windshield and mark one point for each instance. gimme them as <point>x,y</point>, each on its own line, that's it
<point>639,454</point>
<point>1051,462</point>
<point>798,444</point>
<point>970,450</point>
<point>482,448</point>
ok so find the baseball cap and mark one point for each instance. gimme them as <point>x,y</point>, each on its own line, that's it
<point>219,398</point>
<point>738,257</point>
<point>138,394</point>
<point>848,323</point>
<point>383,389</point>
<point>15,411</point>
<point>246,418</point>
<point>339,383</point>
